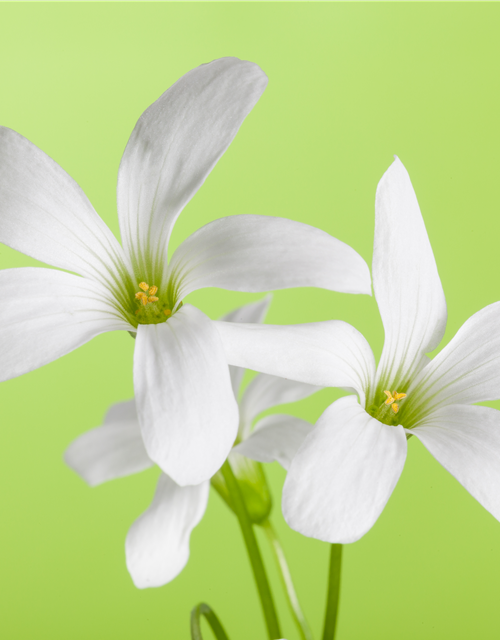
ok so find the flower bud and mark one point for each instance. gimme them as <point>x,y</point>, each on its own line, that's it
<point>253,486</point>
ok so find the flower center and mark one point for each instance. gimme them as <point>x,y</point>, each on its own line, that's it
<point>386,412</point>
<point>392,399</point>
<point>152,309</point>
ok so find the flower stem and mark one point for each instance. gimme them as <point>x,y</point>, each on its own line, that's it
<point>286,578</point>
<point>332,598</point>
<point>204,610</point>
<point>259,571</point>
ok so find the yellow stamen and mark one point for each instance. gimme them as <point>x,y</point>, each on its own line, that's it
<point>390,399</point>
<point>152,314</point>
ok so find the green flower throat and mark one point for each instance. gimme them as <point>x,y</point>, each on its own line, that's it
<point>387,411</point>
<point>151,308</point>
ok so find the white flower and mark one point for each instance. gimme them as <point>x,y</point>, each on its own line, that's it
<point>157,544</point>
<point>346,469</point>
<point>186,408</point>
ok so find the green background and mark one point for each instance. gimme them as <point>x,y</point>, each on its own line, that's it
<point>350,85</point>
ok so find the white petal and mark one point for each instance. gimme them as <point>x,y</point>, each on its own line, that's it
<point>46,314</point>
<point>405,280</point>
<point>157,544</point>
<point>186,406</point>
<point>253,312</point>
<point>328,354</point>
<point>46,215</point>
<point>174,146</point>
<point>466,441</point>
<point>343,474</point>
<point>467,370</point>
<point>122,412</point>
<point>113,450</point>
<point>265,392</point>
<point>263,253</point>
<point>277,437</point>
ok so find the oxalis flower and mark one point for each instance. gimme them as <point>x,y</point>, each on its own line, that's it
<point>185,403</point>
<point>157,544</point>
<point>347,467</point>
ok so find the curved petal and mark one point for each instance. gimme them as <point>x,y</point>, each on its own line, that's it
<point>48,313</point>
<point>253,312</point>
<point>113,450</point>
<point>175,144</point>
<point>263,253</point>
<point>467,370</point>
<point>266,391</point>
<point>157,544</point>
<point>187,410</point>
<point>46,215</point>
<point>277,437</point>
<point>328,354</point>
<point>405,280</point>
<point>466,441</point>
<point>343,474</point>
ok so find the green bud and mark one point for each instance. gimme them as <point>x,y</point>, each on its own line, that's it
<point>253,486</point>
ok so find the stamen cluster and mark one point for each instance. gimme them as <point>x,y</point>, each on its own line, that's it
<point>387,410</point>
<point>152,310</point>
<point>392,398</point>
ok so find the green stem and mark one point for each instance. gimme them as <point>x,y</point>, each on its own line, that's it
<point>286,579</point>
<point>259,571</point>
<point>332,598</point>
<point>204,610</point>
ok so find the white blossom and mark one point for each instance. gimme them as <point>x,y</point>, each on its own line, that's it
<point>347,467</point>
<point>185,404</point>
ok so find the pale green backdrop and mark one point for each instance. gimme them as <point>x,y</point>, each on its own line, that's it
<point>350,85</point>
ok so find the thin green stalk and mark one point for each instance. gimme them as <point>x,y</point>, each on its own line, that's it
<point>332,598</point>
<point>204,610</point>
<point>259,571</point>
<point>286,579</point>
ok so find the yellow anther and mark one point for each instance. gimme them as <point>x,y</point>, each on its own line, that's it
<point>390,399</point>
<point>140,295</point>
<point>143,286</point>
<point>144,300</point>
<point>153,299</point>
<point>167,312</point>
<point>153,290</point>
